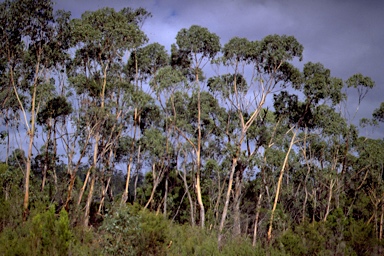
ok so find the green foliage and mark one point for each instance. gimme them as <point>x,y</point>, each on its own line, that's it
<point>128,230</point>
<point>50,235</point>
<point>236,50</point>
<point>54,108</point>
<point>198,40</point>
<point>378,113</point>
<point>187,240</point>
<point>43,234</point>
<point>149,60</point>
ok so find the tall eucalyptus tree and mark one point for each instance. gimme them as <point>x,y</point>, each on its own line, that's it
<point>269,61</point>
<point>32,41</point>
<point>102,39</point>
<point>196,46</point>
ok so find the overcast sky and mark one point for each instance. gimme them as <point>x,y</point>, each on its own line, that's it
<point>346,36</point>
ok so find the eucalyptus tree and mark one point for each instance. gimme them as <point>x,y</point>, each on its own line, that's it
<point>365,181</point>
<point>360,84</point>
<point>54,110</point>
<point>31,43</point>
<point>319,90</point>
<point>142,67</point>
<point>268,61</point>
<point>195,47</point>
<point>171,89</point>
<point>102,39</point>
<point>142,108</point>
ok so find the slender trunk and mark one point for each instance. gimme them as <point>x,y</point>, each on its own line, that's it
<point>381,222</point>
<point>72,171</point>
<point>45,167</point>
<point>103,194</point>
<point>198,163</point>
<point>89,199</point>
<point>84,186</point>
<point>184,178</point>
<point>31,135</point>
<point>135,186</point>
<point>332,183</point>
<point>8,140</point>
<point>236,199</point>
<point>156,181</point>
<point>258,207</point>
<point>69,191</point>
<point>124,197</point>
<point>137,174</point>
<point>227,197</point>
<point>269,235</point>
<point>27,176</point>
<point>93,179</point>
<point>314,204</point>
<point>165,196</point>
<point>54,156</point>
<point>221,190</point>
<point>304,203</point>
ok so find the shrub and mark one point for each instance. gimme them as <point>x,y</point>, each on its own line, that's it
<point>128,230</point>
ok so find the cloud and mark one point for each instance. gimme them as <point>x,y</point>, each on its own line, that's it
<point>345,36</point>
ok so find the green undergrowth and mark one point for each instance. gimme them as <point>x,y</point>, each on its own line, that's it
<point>131,230</point>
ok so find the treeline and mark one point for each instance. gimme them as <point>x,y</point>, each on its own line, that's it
<point>231,145</point>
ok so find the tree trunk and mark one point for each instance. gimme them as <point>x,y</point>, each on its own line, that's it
<point>31,135</point>
<point>93,179</point>
<point>237,201</point>
<point>89,200</point>
<point>227,197</point>
<point>381,222</point>
<point>304,203</point>
<point>165,195</point>
<point>103,194</point>
<point>46,159</point>
<point>137,174</point>
<point>258,207</point>
<point>124,197</point>
<point>332,183</point>
<point>184,178</point>
<point>27,176</point>
<point>198,163</point>
<point>84,186</point>
<point>156,180</point>
<point>269,236</point>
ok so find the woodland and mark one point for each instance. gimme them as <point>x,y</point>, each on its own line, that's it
<point>111,145</point>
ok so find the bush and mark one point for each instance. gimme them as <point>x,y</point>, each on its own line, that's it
<point>43,234</point>
<point>50,235</point>
<point>128,230</point>
<point>187,240</point>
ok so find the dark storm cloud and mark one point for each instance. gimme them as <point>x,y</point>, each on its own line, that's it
<point>345,36</point>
